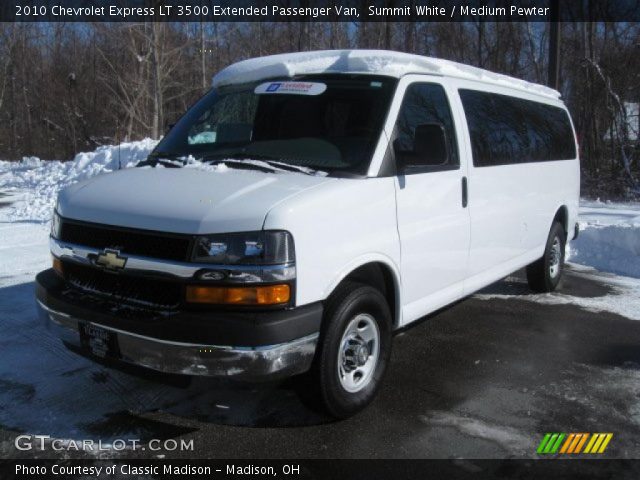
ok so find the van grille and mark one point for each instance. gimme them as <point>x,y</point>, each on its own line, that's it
<point>128,241</point>
<point>124,289</point>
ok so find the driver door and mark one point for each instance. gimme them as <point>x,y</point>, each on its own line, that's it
<point>432,215</point>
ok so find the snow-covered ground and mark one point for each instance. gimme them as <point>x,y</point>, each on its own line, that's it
<point>609,239</point>
<point>28,190</point>
<point>34,183</point>
<point>608,249</point>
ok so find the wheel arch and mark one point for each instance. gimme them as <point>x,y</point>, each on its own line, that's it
<point>379,273</point>
<point>562,216</point>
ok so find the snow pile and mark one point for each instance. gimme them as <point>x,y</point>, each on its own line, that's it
<point>609,238</point>
<point>35,183</point>
<point>31,186</point>
<point>382,62</point>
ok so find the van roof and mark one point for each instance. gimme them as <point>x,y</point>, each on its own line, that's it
<point>381,62</point>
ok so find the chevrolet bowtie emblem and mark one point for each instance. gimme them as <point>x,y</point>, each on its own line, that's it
<point>111,259</point>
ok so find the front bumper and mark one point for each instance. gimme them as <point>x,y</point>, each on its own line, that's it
<point>250,361</point>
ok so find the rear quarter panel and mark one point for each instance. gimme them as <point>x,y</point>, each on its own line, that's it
<point>512,206</point>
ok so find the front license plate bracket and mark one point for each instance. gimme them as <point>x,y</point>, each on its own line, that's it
<point>99,341</point>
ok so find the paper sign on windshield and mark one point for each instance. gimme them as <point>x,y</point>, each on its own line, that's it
<point>295,88</point>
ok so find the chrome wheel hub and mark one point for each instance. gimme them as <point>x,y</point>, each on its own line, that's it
<point>555,257</point>
<point>355,354</point>
<point>359,352</point>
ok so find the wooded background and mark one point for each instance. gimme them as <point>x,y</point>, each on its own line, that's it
<point>70,87</point>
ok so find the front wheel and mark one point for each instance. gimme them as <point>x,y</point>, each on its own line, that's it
<point>544,274</point>
<point>354,348</point>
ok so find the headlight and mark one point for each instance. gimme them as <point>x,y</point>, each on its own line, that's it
<point>251,258</point>
<point>55,225</point>
<point>266,247</point>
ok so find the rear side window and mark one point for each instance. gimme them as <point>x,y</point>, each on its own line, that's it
<point>506,130</point>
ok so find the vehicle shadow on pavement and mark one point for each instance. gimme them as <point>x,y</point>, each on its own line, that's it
<point>480,370</point>
<point>285,403</point>
<point>48,388</point>
<point>576,286</point>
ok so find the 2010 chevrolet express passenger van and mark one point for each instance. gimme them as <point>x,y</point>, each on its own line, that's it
<point>305,208</point>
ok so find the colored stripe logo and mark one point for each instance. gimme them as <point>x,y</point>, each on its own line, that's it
<point>574,443</point>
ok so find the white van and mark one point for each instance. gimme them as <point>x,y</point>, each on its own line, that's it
<point>307,207</point>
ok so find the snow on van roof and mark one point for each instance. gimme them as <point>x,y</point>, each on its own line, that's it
<point>382,62</point>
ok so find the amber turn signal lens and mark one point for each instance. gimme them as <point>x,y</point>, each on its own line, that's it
<point>267,295</point>
<point>57,266</point>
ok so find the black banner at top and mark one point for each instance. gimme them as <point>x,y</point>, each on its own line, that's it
<point>319,10</point>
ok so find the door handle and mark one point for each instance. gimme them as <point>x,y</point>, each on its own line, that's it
<point>465,193</point>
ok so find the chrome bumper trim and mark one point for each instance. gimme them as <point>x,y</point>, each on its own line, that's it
<point>184,270</point>
<point>247,363</point>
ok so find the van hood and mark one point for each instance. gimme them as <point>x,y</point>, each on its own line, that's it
<point>182,200</point>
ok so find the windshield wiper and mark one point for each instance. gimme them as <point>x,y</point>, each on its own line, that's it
<point>167,160</point>
<point>268,159</point>
<point>241,164</point>
<point>241,160</point>
<point>292,168</point>
<point>244,159</point>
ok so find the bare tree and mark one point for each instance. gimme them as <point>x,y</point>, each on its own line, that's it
<point>67,87</point>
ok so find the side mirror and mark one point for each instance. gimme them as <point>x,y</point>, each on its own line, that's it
<point>429,148</point>
<point>430,144</point>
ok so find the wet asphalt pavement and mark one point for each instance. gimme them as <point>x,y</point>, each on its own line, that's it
<point>484,378</point>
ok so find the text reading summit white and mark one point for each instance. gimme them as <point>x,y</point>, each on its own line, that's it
<point>305,208</point>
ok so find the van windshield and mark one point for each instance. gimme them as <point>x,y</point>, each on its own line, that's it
<point>329,123</point>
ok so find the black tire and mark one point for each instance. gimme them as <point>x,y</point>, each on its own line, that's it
<point>351,301</point>
<point>541,275</point>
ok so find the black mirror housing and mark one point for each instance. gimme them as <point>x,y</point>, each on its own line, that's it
<point>430,144</point>
<point>429,148</point>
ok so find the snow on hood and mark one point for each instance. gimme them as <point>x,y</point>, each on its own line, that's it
<point>381,62</point>
<point>182,200</point>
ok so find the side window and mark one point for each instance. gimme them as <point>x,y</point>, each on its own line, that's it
<point>425,136</point>
<point>506,130</point>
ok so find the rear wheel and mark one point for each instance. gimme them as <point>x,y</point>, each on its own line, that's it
<point>544,274</point>
<point>354,348</point>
